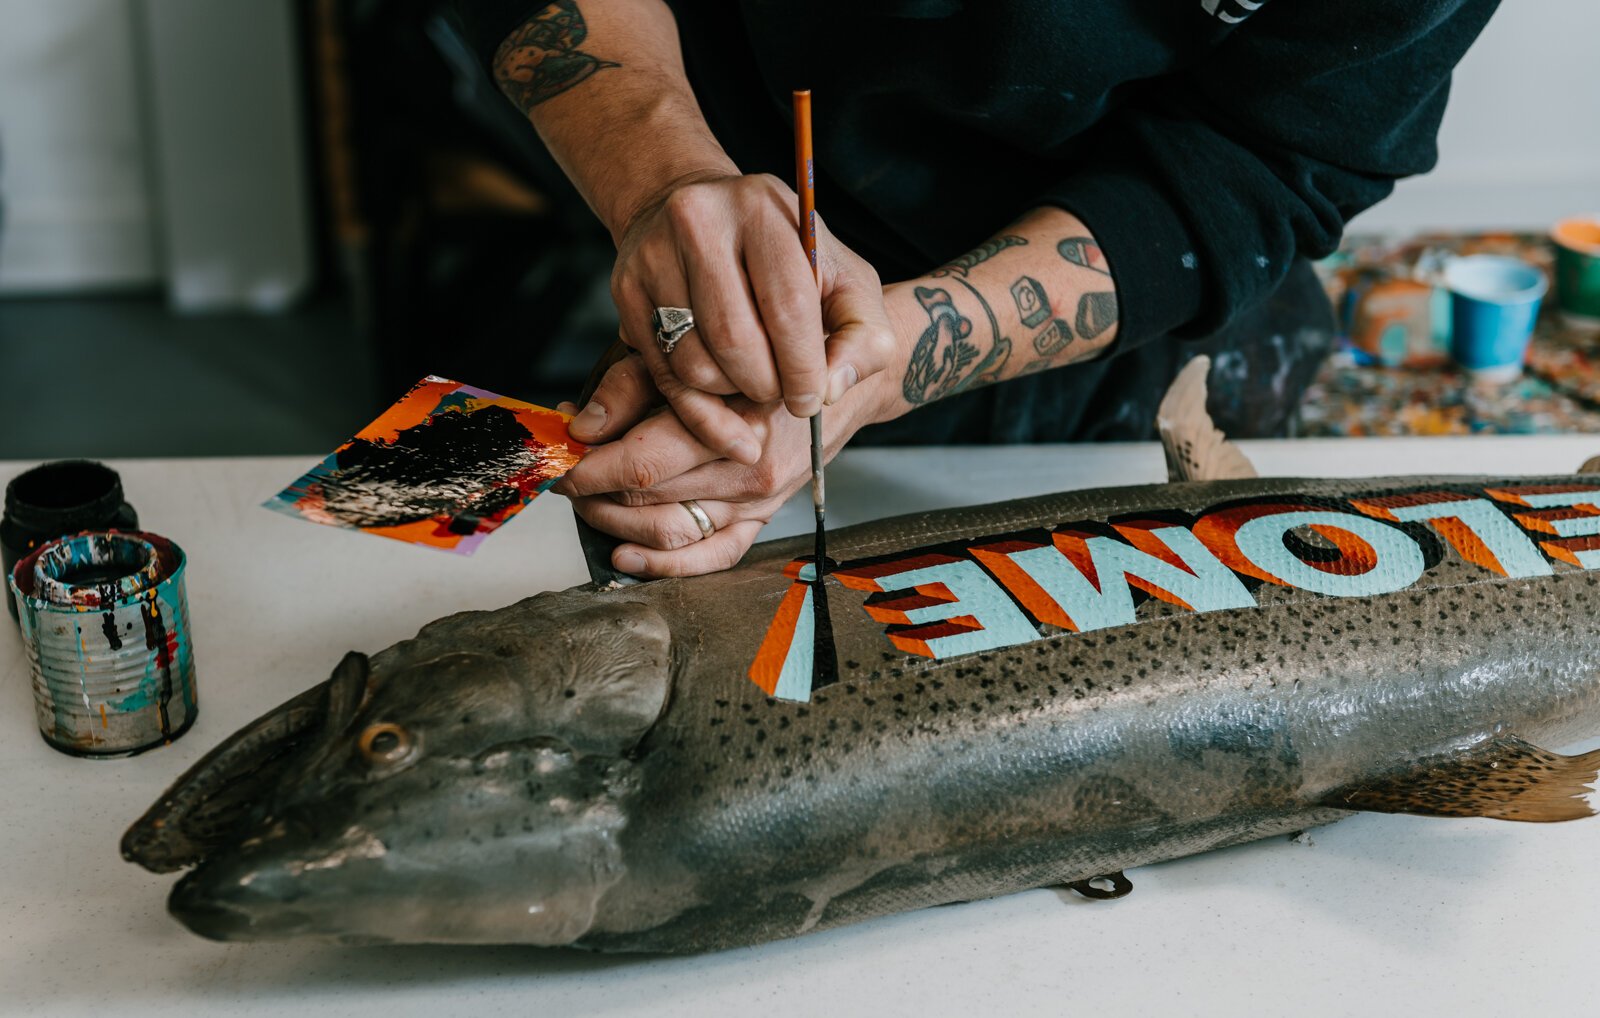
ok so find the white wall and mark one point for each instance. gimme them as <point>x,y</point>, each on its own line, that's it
<point>72,158</point>
<point>223,84</point>
<point>1520,144</point>
<point>80,125</point>
<point>153,141</point>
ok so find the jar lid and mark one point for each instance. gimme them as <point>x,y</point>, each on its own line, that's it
<point>64,496</point>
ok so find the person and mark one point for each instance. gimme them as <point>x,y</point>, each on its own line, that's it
<point>1131,184</point>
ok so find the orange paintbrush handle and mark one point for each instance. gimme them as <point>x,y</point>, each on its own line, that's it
<point>804,175</point>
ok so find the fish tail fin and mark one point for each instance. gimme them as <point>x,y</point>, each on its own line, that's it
<point>1503,778</point>
<point>1196,449</point>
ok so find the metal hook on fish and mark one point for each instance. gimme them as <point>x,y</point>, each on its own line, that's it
<point>1120,886</point>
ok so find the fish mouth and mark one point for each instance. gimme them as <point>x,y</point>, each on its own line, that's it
<point>196,903</point>
<point>221,800</point>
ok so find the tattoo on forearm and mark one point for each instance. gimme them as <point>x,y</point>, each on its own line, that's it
<point>1052,339</point>
<point>1097,312</point>
<point>541,59</point>
<point>982,253</point>
<point>1084,251</point>
<point>988,370</point>
<point>946,359</point>
<point>949,357</point>
<point>1032,302</point>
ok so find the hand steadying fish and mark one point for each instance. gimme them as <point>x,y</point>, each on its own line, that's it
<point>1038,692</point>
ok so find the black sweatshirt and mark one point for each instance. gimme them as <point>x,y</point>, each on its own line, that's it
<point>1205,143</point>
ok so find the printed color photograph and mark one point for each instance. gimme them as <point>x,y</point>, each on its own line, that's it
<point>443,467</point>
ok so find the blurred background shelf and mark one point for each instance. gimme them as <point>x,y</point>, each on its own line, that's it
<point>243,228</point>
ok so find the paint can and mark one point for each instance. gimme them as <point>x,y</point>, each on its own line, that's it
<point>1494,301</point>
<point>1577,243</point>
<point>55,499</point>
<point>105,622</point>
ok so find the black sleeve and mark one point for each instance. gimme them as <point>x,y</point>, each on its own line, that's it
<point>486,23</point>
<point>1210,184</point>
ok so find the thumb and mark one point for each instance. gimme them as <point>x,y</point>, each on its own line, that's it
<point>622,399</point>
<point>860,336</point>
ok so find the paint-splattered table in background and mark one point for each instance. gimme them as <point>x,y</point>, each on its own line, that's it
<point>1380,914</point>
<point>1558,394</point>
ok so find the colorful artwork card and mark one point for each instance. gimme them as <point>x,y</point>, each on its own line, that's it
<point>444,467</point>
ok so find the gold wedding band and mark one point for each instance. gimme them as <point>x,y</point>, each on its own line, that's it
<point>701,520</point>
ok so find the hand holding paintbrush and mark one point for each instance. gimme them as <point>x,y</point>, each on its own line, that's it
<point>693,361</point>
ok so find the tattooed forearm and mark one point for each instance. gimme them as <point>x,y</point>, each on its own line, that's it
<point>946,358</point>
<point>1097,309</point>
<point>1033,304</point>
<point>1084,251</point>
<point>541,59</point>
<point>1066,311</point>
<point>988,370</point>
<point>1097,312</point>
<point>1052,339</point>
<point>982,253</point>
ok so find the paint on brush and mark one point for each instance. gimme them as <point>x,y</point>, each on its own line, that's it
<point>444,467</point>
<point>105,623</point>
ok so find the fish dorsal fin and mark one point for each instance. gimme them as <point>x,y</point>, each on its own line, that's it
<point>1503,778</point>
<point>1590,466</point>
<point>1196,449</point>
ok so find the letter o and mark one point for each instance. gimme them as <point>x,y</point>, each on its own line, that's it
<point>1398,560</point>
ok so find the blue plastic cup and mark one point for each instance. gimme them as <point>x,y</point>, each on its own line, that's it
<point>1493,303</point>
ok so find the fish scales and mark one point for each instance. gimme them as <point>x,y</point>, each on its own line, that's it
<point>547,798</point>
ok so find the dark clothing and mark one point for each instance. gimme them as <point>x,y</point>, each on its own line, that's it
<point>1207,144</point>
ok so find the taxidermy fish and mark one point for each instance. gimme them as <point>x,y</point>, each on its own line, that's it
<point>1041,692</point>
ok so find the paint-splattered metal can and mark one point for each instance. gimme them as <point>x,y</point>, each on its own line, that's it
<point>106,625</point>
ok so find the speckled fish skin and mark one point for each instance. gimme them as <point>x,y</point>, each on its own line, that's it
<point>547,803</point>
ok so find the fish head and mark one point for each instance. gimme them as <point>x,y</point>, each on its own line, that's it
<point>466,786</point>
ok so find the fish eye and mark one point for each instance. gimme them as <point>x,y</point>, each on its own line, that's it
<point>385,743</point>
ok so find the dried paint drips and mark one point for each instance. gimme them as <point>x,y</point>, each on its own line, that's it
<point>85,601</point>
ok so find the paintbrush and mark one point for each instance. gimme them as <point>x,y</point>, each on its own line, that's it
<point>805,187</point>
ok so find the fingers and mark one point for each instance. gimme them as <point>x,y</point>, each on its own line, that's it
<point>708,418</point>
<point>706,415</point>
<point>731,252</point>
<point>696,367</point>
<point>860,336</point>
<point>623,398</point>
<point>719,551</point>
<point>732,344</point>
<point>791,311</point>
<point>651,453</point>
<point>665,527</point>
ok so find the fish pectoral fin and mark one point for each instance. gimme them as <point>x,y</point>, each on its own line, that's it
<point>1196,449</point>
<point>1504,778</point>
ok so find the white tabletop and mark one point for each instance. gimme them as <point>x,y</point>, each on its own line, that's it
<point>1378,914</point>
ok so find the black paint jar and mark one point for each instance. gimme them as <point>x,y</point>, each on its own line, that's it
<point>56,499</point>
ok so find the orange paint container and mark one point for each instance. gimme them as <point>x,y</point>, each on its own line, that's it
<point>1392,324</point>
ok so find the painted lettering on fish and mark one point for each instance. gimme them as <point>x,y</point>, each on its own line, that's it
<point>995,591</point>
